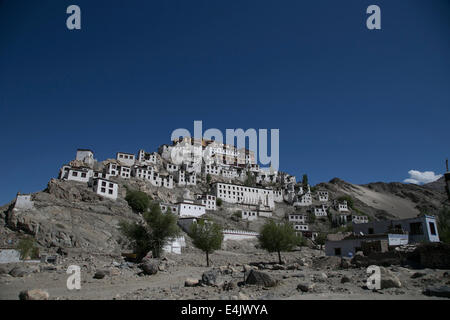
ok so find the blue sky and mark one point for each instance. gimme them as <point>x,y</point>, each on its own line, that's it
<point>349,102</point>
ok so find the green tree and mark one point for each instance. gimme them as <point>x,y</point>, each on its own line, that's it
<point>278,237</point>
<point>219,202</point>
<point>27,248</point>
<point>207,236</point>
<point>208,178</point>
<point>138,201</point>
<point>153,234</point>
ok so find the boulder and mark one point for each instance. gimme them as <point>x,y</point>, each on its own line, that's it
<point>260,278</point>
<point>19,271</point>
<point>305,286</point>
<point>389,280</point>
<point>36,294</point>
<point>191,282</point>
<point>442,292</point>
<point>209,277</point>
<point>150,267</point>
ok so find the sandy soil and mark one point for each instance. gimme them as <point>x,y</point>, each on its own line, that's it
<point>169,283</point>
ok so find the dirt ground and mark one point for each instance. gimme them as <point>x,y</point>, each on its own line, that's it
<point>125,283</point>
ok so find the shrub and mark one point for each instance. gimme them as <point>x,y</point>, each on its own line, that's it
<point>219,202</point>
<point>138,201</point>
<point>153,234</point>
<point>27,248</point>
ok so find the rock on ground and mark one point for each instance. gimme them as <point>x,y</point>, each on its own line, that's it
<point>36,294</point>
<point>260,278</point>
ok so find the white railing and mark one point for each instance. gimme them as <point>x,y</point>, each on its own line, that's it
<point>241,232</point>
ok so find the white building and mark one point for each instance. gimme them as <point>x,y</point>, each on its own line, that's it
<point>172,167</point>
<point>232,193</point>
<point>112,169</point>
<point>211,169</point>
<point>148,173</point>
<point>209,201</point>
<point>359,218</point>
<point>420,229</point>
<point>125,172</point>
<point>189,208</point>
<point>249,215</point>
<point>86,156</point>
<point>127,159</point>
<point>301,227</point>
<point>320,211</point>
<point>342,206</point>
<point>297,218</point>
<point>80,174</point>
<point>105,188</point>
<point>303,200</point>
<point>323,195</point>
<point>23,202</point>
<point>145,158</point>
<point>165,206</point>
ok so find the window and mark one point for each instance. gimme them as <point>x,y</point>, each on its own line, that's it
<point>103,184</point>
<point>103,190</point>
<point>75,174</point>
<point>110,191</point>
<point>416,228</point>
<point>432,228</point>
<point>337,251</point>
<point>370,231</point>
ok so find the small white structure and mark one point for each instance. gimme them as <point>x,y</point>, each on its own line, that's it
<point>175,245</point>
<point>112,169</point>
<point>238,235</point>
<point>278,195</point>
<point>80,174</point>
<point>127,159</point>
<point>167,206</point>
<point>298,218</point>
<point>23,202</point>
<point>9,256</point>
<point>303,200</point>
<point>105,188</point>
<point>249,215</point>
<point>301,227</point>
<point>86,156</point>
<point>188,208</point>
<point>212,169</point>
<point>359,218</point>
<point>145,158</point>
<point>322,195</point>
<point>172,167</point>
<point>320,211</point>
<point>348,246</point>
<point>209,201</point>
<point>342,206</point>
<point>125,172</point>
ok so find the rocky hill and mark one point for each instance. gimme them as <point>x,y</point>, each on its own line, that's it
<point>69,215</point>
